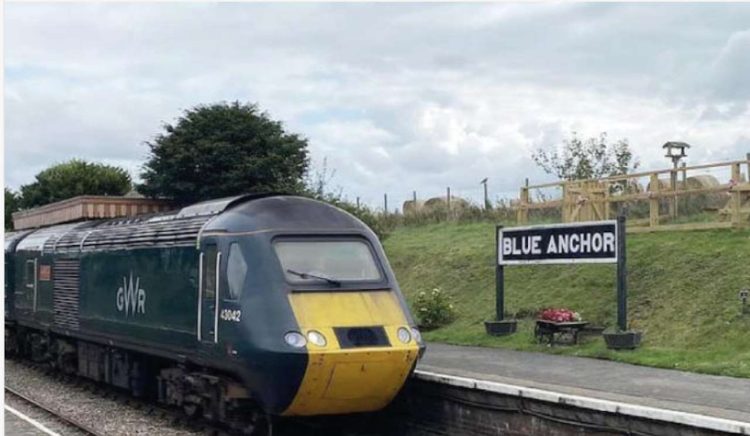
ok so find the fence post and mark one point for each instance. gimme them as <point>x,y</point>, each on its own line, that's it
<point>385,204</point>
<point>653,203</point>
<point>523,211</point>
<point>415,200</point>
<point>673,188</point>
<point>486,198</point>
<point>684,176</point>
<point>686,198</point>
<point>736,196</point>
<point>448,200</point>
<point>606,200</point>
<point>357,202</point>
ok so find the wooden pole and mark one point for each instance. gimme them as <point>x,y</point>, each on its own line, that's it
<point>605,205</point>
<point>415,200</point>
<point>522,215</point>
<point>448,198</point>
<point>385,204</point>
<point>673,188</point>
<point>565,202</point>
<point>684,176</point>
<point>686,199</point>
<point>357,202</point>
<point>486,197</point>
<point>653,204</point>
<point>736,196</point>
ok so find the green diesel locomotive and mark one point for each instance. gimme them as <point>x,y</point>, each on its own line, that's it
<point>236,309</point>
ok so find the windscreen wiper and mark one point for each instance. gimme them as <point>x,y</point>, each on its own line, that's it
<point>313,276</point>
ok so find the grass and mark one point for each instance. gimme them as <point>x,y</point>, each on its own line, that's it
<point>683,293</point>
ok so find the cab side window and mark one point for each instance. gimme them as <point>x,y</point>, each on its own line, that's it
<point>236,271</point>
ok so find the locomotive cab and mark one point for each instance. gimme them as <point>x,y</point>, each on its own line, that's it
<point>303,291</point>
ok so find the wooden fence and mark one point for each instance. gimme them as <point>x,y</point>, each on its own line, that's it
<point>601,199</point>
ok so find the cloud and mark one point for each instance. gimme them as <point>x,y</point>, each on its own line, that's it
<point>731,70</point>
<point>396,97</point>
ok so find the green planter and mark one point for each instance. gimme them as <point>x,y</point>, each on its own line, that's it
<point>627,340</point>
<point>500,328</point>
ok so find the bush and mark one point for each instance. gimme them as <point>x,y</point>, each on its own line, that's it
<point>434,309</point>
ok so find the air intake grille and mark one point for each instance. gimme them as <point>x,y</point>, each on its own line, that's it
<point>354,337</point>
<point>66,278</point>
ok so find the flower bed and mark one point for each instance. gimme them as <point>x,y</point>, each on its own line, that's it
<point>559,315</point>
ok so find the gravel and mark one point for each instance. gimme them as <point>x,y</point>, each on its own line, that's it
<point>96,409</point>
<point>42,416</point>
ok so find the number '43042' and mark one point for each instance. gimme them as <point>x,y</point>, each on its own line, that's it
<point>231,315</point>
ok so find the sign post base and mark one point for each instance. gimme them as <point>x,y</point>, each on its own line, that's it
<point>626,340</point>
<point>500,328</point>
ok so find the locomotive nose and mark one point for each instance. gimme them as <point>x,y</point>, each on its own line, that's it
<point>361,350</point>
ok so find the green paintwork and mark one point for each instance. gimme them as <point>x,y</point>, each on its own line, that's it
<point>168,278</point>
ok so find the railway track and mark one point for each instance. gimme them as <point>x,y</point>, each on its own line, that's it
<point>82,427</point>
<point>122,414</point>
<point>89,396</point>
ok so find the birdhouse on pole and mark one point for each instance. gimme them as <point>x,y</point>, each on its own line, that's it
<point>676,151</point>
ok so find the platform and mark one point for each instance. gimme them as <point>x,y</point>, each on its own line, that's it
<point>722,398</point>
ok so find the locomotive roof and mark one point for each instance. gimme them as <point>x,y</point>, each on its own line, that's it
<point>182,228</point>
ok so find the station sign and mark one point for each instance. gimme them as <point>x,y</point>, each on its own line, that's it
<point>587,242</point>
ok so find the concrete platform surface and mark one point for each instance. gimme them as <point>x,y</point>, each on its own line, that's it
<point>714,396</point>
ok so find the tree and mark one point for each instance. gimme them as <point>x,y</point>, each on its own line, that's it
<point>222,150</point>
<point>11,205</point>
<point>73,178</point>
<point>589,159</point>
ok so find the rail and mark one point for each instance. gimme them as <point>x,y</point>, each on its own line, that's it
<point>57,414</point>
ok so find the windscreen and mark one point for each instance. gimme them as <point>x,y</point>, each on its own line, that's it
<point>327,261</point>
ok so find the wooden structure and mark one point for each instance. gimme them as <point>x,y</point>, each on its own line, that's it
<point>87,207</point>
<point>586,200</point>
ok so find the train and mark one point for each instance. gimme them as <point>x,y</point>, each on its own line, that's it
<point>238,309</point>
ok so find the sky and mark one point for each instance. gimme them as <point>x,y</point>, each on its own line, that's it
<point>394,98</point>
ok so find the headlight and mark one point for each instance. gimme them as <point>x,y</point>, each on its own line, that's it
<point>404,335</point>
<point>295,339</point>
<point>316,338</point>
<point>416,335</point>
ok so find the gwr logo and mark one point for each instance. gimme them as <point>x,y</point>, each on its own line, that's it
<point>131,299</point>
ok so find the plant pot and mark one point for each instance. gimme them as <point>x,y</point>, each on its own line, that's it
<point>500,328</point>
<point>627,340</point>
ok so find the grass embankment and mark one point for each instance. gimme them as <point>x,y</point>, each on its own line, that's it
<point>683,290</point>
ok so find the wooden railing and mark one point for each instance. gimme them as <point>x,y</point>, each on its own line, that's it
<point>600,199</point>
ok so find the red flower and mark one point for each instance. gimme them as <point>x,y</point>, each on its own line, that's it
<point>558,315</point>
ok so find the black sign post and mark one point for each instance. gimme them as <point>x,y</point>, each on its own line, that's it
<point>500,326</point>
<point>586,242</point>
<point>622,277</point>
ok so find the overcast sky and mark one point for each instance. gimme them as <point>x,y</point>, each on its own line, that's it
<point>397,97</point>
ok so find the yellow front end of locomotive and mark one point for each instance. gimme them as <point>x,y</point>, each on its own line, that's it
<point>348,380</point>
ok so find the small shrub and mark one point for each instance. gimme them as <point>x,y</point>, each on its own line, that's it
<point>434,309</point>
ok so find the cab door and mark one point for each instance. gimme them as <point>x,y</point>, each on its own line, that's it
<point>208,295</point>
